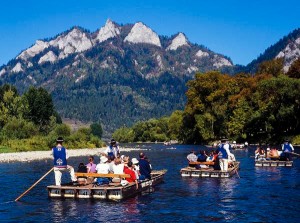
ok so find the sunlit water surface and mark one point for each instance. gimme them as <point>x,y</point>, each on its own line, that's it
<point>259,195</point>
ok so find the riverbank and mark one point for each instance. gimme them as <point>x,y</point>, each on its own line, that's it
<point>40,155</point>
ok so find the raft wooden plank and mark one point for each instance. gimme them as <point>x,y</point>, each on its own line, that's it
<point>109,175</point>
<point>210,163</point>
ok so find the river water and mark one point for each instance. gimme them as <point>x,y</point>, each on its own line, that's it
<point>260,194</point>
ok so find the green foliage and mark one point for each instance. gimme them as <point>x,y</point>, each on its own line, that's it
<point>10,106</point>
<point>25,120</point>
<point>294,71</point>
<point>296,140</point>
<point>96,129</point>
<point>18,128</point>
<point>273,67</point>
<point>263,107</point>
<point>124,135</point>
<point>62,130</point>
<point>40,107</point>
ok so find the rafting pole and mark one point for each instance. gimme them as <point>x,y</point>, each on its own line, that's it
<point>296,154</point>
<point>236,170</point>
<point>34,184</point>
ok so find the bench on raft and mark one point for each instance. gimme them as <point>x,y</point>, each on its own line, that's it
<point>88,178</point>
<point>108,175</point>
<point>208,163</point>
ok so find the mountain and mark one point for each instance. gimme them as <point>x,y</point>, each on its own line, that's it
<point>116,75</point>
<point>287,48</point>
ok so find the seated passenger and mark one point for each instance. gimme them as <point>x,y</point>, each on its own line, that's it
<point>118,168</point>
<point>193,158</point>
<point>145,168</point>
<point>260,154</point>
<point>91,166</point>
<point>136,167</point>
<point>103,168</point>
<point>82,169</point>
<point>129,170</point>
<point>202,156</point>
<point>274,155</point>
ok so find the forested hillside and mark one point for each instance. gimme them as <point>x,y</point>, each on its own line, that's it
<point>264,107</point>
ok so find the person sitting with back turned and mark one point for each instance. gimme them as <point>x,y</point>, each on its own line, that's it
<point>91,166</point>
<point>287,148</point>
<point>103,168</point>
<point>145,169</point>
<point>260,153</point>
<point>60,156</point>
<point>192,157</point>
<point>129,170</point>
<point>82,169</point>
<point>202,157</point>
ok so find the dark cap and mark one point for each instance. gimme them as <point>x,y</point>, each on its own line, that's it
<point>224,140</point>
<point>113,142</point>
<point>59,139</point>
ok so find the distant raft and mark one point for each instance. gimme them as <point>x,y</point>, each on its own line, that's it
<point>112,191</point>
<point>210,172</point>
<point>273,163</point>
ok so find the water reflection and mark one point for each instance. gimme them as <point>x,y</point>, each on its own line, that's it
<point>179,199</point>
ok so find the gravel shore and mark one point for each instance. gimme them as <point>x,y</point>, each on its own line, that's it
<point>40,155</point>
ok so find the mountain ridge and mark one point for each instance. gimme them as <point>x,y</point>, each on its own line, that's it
<point>98,76</point>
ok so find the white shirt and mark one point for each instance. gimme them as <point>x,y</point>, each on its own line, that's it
<point>102,168</point>
<point>113,149</point>
<point>118,169</point>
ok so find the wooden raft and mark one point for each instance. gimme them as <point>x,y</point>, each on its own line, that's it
<point>106,192</point>
<point>209,172</point>
<point>273,163</point>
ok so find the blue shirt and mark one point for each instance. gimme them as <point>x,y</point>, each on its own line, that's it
<point>145,168</point>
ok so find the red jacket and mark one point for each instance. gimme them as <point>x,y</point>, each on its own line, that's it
<point>132,177</point>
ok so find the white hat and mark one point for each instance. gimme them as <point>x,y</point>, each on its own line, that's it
<point>103,159</point>
<point>134,161</point>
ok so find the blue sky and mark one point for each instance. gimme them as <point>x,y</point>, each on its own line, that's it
<point>238,29</point>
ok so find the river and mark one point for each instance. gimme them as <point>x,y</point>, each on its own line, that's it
<point>259,195</point>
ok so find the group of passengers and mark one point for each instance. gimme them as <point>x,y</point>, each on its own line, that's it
<point>273,153</point>
<point>219,159</point>
<point>112,162</point>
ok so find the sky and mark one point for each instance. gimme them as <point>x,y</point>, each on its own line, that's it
<point>241,30</point>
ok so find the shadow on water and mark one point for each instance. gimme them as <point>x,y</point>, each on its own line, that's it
<point>251,198</point>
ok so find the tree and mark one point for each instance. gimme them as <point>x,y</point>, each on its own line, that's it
<point>40,107</point>
<point>10,106</point>
<point>274,67</point>
<point>294,71</point>
<point>96,129</point>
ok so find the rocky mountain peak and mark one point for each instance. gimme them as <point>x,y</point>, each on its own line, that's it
<point>140,33</point>
<point>290,53</point>
<point>74,41</point>
<point>38,47</point>
<point>110,30</point>
<point>178,41</point>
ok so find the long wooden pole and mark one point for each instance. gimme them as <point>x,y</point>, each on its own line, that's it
<point>296,154</point>
<point>34,184</point>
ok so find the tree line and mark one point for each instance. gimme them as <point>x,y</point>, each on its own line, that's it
<point>30,122</point>
<point>260,107</point>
